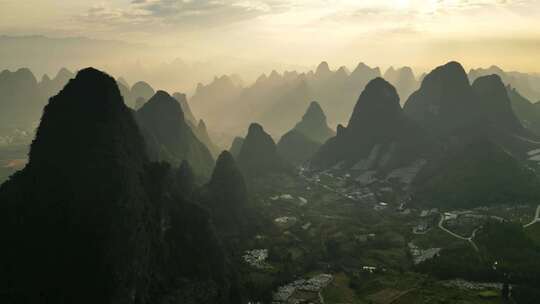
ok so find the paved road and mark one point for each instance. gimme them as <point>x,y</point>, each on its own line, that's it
<point>536,218</point>
<point>468,239</point>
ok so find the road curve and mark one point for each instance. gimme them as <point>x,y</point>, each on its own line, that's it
<point>468,239</point>
<point>536,218</point>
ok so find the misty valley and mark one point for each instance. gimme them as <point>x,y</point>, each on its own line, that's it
<point>329,186</point>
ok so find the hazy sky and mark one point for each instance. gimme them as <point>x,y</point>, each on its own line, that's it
<point>420,33</point>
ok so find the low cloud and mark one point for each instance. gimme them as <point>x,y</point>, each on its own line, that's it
<point>185,13</point>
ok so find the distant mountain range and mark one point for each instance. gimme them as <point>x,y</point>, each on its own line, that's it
<point>43,54</point>
<point>526,84</point>
<point>449,132</point>
<point>380,134</point>
<point>264,100</point>
<point>121,190</point>
<point>276,100</point>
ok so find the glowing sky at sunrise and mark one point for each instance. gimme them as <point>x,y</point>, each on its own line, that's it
<point>420,33</point>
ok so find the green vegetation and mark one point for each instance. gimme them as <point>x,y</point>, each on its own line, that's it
<point>510,247</point>
<point>473,177</point>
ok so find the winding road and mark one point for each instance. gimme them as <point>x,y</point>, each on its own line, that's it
<point>468,239</point>
<point>471,238</point>
<point>536,218</point>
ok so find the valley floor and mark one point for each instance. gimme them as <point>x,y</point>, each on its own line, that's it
<point>370,245</point>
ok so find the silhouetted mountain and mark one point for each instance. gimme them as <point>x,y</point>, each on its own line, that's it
<point>226,196</point>
<point>122,81</point>
<point>50,87</point>
<point>258,156</point>
<point>89,205</point>
<point>236,146</point>
<point>188,115</point>
<point>21,102</point>
<point>378,136</point>
<point>202,134</point>
<point>527,84</point>
<point>168,136</point>
<point>323,70</point>
<point>135,97</point>
<point>313,124</point>
<point>527,112</point>
<point>476,173</point>
<point>143,90</point>
<point>338,94</point>
<point>403,80</point>
<point>449,107</point>
<point>362,75</point>
<point>445,101</point>
<point>496,106</point>
<point>216,100</point>
<point>278,99</point>
<point>296,148</point>
<point>129,100</point>
<point>139,103</point>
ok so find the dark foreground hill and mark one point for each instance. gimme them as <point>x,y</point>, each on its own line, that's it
<point>91,220</point>
<point>225,195</point>
<point>477,173</point>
